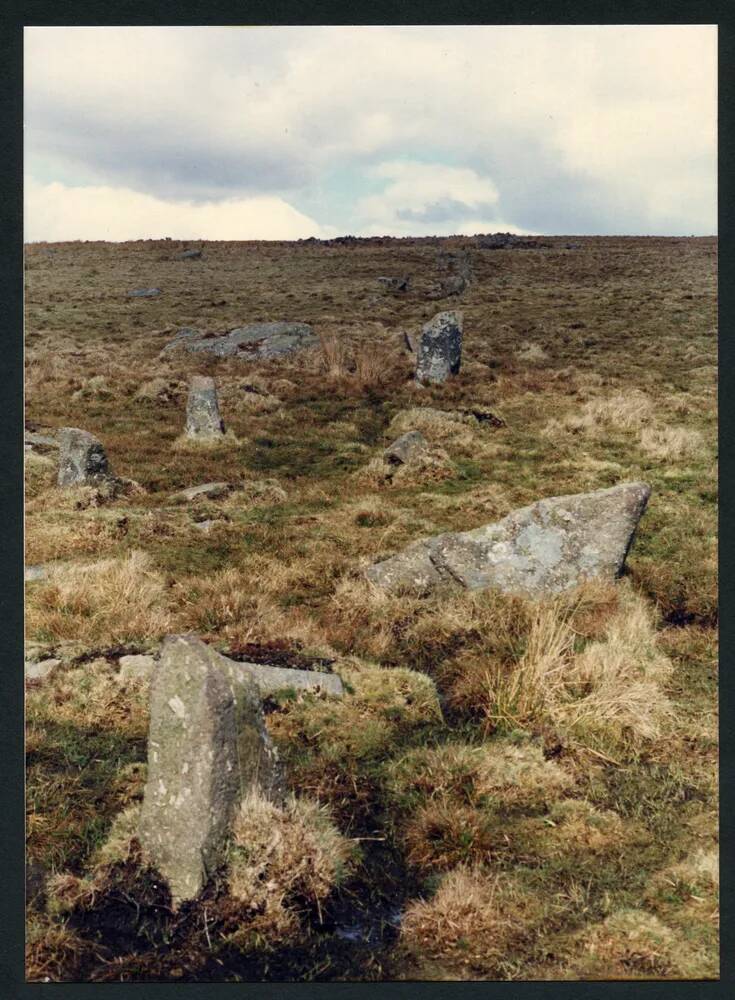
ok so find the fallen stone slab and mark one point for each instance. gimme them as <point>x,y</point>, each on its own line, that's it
<point>405,448</point>
<point>207,748</point>
<point>207,491</point>
<point>144,293</point>
<point>82,458</point>
<point>40,440</point>
<point>270,679</point>
<point>203,418</point>
<point>440,349</point>
<point>542,549</point>
<point>189,255</point>
<point>33,573</point>
<point>254,341</point>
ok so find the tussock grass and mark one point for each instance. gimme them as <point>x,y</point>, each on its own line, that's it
<point>471,927</point>
<point>111,601</point>
<point>281,859</point>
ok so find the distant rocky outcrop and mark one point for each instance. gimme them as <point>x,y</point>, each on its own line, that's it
<point>509,241</point>
<point>548,547</point>
<point>251,342</point>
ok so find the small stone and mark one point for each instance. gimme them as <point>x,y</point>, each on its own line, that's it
<point>39,670</point>
<point>82,458</point>
<point>203,418</point>
<point>136,667</point>
<point>395,284</point>
<point>405,448</point>
<point>190,255</point>
<point>440,348</point>
<point>34,573</point>
<point>144,293</point>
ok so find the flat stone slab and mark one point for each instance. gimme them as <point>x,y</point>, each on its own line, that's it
<point>34,573</point>
<point>189,255</point>
<point>548,547</point>
<point>40,440</point>
<point>251,342</point>
<point>270,679</point>
<point>144,293</point>
<point>207,491</point>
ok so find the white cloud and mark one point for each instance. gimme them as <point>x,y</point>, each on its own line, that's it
<point>55,212</point>
<point>428,199</point>
<point>568,121</point>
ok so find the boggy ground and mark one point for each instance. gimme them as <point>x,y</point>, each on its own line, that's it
<point>512,791</point>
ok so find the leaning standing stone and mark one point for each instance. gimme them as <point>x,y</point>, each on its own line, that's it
<point>207,748</point>
<point>440,348</point>
<point>203,419</point>
<point>82,458</point>
<point>546,548</point>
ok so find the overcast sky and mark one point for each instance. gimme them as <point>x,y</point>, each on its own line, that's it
<point>281,133</point>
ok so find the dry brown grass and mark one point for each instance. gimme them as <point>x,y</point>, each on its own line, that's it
<point>111,601</point>
<point>471,927</point>
<point>281,859</point>
<point>612,689</point>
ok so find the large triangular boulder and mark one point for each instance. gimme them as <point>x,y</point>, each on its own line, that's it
<point>548,547</point>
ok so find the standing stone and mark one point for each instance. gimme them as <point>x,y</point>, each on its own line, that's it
<point>207,748</point>
<point>203,419</point>
<point>82,458</point>
<point>440,348</point>
<point>543,549</point>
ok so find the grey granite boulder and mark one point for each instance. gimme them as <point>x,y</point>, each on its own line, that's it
<point>189,255</point>
<point>203,418</point>
<point>82,459</point>
<point>144,293</point>
<point>548,547</point>
<point>207,748</point>
<point>255,341</point>
<point>405,448</point>
<point>440,348</point>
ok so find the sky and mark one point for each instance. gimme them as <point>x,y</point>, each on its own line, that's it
<point>289,132</point>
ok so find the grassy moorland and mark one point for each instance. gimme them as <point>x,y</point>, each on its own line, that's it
<point>509,790</point>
